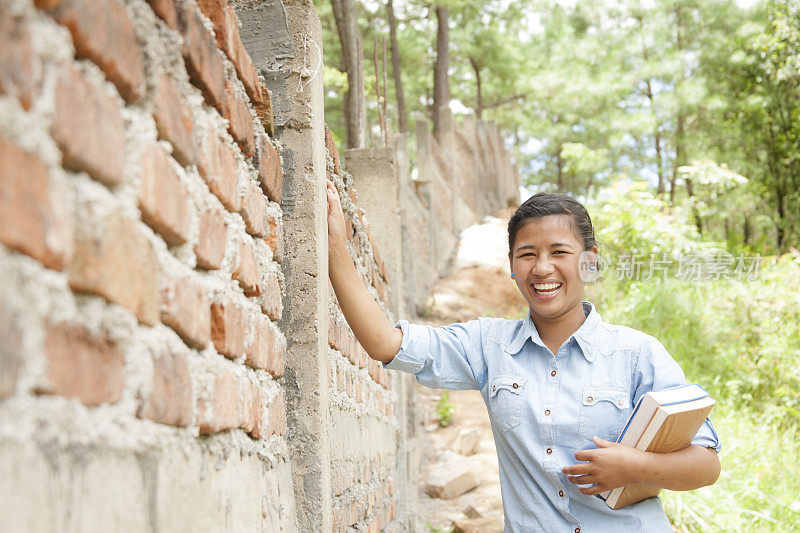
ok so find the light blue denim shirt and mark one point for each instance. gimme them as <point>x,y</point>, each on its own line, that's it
<point>545,407</point>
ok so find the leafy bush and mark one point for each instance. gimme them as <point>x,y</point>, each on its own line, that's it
<point>739,338</point>
<point>445,409</point>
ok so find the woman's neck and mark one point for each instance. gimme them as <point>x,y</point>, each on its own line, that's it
<point>554,331</point>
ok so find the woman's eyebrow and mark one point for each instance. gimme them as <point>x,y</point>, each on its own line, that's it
<point>560,245</point>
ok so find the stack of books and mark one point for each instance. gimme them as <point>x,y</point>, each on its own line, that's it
<point>663,421</point>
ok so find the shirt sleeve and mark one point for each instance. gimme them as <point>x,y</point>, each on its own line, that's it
<point>656,370</point>
<point>449,357</point>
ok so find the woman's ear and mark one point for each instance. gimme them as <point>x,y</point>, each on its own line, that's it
<point>511,264</point>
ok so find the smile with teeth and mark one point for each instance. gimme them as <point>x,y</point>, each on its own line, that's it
<point>546,288</point>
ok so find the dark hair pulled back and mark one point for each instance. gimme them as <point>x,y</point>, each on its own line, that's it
<point>545,204</point>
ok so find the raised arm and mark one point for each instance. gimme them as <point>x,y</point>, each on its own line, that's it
<point>371,327</point>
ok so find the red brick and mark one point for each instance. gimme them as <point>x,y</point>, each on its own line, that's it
<point>102,32</point>
<point>275,238</point>
<point>268,348</point>
<point>34,219</point>
<point>228,328</point>
<point>339,379</point>
<point>114,259</point>
<point>170,399</point>
<point>88,127</point>
<point>258,354</point>
<point>165,9</point>
<point>163,198</point>
<point>210,247</point>
<point>277,415</point>
<point>202,58</point>
<point>330,144</point>
<point>82,366</point>
<point>263,107</point>
<point>244,63</point>
<point>269,168</point>
<point>271,301</point>
<point>246,271</point>
<point>240,123</point>
<point>254,210</point>
<point>220,408</point>
<point>174,121</point>
<point>217,13</point>
<point>350,231</point>
<point>277,346</point>
<point>253,409</point>
<point>186,309</point>
<point>217,166</point>
<point>10,356</point>
<point>16,61</point>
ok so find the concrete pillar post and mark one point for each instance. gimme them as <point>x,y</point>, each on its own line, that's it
<point>285,42</point>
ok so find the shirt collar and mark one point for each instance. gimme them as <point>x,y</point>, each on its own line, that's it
<point>582,336</point>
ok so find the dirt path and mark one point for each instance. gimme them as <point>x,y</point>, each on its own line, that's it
<point>479,286</point>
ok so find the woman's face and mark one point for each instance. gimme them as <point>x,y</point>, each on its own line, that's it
<point>545,263</point>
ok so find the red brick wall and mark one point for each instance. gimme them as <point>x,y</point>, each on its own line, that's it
<point>151,186</point>
<point>364,483</point>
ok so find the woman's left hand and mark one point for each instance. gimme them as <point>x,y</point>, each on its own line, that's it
<point>607,467</point>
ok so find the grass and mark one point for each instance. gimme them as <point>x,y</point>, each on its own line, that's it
<point>740,340</point>
<point>758,487</point>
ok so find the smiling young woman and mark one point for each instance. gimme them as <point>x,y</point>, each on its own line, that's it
<point>558,384</point>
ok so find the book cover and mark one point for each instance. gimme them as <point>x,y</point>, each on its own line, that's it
<point>670,428</point>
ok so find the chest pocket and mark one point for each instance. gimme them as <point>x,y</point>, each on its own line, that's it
<point>604,411</point>
<point>506,396</point>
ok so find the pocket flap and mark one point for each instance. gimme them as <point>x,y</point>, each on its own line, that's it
<point>619,398</point>
<point>509,382</point>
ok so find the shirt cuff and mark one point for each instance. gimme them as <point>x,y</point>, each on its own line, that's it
<point>707,436</point>
<point>406,360</point>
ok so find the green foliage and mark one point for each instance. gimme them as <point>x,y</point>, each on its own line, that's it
<point>757,489</point>
<point>439,529</point>
<point>739,338</point>
<point>445,409</point>
<point>631,220</point>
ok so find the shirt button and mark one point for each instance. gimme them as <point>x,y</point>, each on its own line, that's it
<point>589,399</point>
<point>516,385</point>
<point>547,412</point>
<point>577,530</point>
<point>553,373</point>
<point>494,389</point>
<point>620,402</point>
<point>561,494</point>
<point>549,451</point>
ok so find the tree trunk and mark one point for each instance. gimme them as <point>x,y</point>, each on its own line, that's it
<point>746,229</point>
<point>559,171</point>
<point>344,12</point>
<point>479,96</point>
<point>441,87</point>
<point>780,235</point>
<point>402,121</point>
<point>660,163</point>
<point>679,156</point>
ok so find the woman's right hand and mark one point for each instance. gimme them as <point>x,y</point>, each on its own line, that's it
<point>336,224</point>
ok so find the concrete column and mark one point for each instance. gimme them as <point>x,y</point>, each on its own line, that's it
<point>424,152</point>
<point>285,42</point>
<point>374,172</point>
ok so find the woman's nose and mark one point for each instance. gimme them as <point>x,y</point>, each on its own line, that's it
<point>543,266</point>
